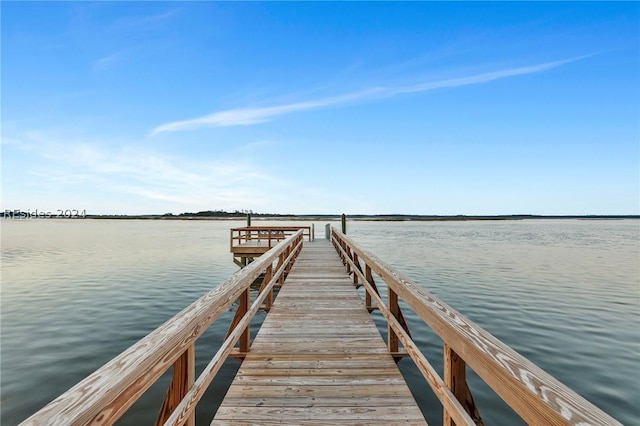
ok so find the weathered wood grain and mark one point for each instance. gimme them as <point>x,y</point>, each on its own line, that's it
<point>319,422</point>
<point>292,415</point>
<point>182,379</point>
<point>336,401</point>
<point>347,392</point>
<point>187,405</point>
<point>444,394</point>
<point>455,377</point>
<point>318,356</point>
<point>535,395</point>
<point>105,395</point>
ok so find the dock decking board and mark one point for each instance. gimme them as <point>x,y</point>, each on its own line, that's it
<point>318,357</point>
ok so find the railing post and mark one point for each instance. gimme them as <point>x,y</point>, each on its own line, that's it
<point>243,307</point>
<point>367,296</point>
<point>287,252</point>
<point>344,224</point>
<point>357,263</point>
<point>327,231</point>
<point>394,308</point>
<point>455,378</point>
<point>267,277</point>
<point>280,262</point>
<point>183,377</point>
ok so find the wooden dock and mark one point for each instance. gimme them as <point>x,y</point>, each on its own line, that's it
<point>318,357</point>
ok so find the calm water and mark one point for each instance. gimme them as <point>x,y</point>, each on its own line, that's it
<point>565,294</point>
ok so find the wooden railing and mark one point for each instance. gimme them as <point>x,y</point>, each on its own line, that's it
<point>109,392</point>
<point>534,395</point>
<point>269,235</point>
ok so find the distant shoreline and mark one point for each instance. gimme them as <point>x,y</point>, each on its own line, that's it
<point>242,216</point>
<point>372,218</point>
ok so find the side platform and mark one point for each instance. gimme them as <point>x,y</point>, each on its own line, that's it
<point>318,357</point>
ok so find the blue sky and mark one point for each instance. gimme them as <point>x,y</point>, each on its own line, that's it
<point>286,107</point>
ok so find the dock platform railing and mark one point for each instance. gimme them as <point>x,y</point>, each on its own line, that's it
<point>537,397</point>
<point>267,235</point>
<point>104,396</point>
<point>250,242</point>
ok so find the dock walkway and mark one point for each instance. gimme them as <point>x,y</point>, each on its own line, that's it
<point>318,357</point>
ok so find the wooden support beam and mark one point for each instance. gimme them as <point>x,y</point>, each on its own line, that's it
<point>367,296</point>
<point>455,378</point>
<point>357,263</point>
<point>267,277</point>
<point>397,356</point>
<point>280,263</point>
<point>290,264</point>
<point>183,377</point>
<point>392,337</point>
<point>244,301</point>
<point>235,353</point>
<point>243,307</point>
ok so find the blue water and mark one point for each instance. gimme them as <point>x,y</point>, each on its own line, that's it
<point>563,293</point>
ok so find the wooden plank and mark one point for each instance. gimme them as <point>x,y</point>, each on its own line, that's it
<point>288,364</point>
<point>316,422</point>
<point>308,380</point>
<point>303,401</point>
<point>318,357</point>
<point>293,414</point>
<point>347,391</point>
<point>378,372</point>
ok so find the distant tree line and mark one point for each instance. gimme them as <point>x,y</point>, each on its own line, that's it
<point>223,213</point>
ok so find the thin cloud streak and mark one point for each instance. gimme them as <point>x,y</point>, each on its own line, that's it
<point>251,116</point>
<point>107,61</point>
<point>141,22</point>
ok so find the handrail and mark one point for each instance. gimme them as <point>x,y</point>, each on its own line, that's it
<point>105,395</point>
<point>268,233</point>
<point>533,394</point>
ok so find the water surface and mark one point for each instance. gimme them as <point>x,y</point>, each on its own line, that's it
<point>563,293</point>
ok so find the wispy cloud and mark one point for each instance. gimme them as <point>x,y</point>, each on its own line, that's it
<point>133,30</point>
<point>165,181</point>
<point>248,116</point>
<point>144,21</point>
<point>256,115</point>
<point>107,61</point>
